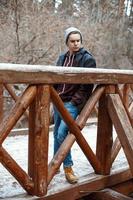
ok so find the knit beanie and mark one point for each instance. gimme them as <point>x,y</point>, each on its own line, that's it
<point>70,30</point>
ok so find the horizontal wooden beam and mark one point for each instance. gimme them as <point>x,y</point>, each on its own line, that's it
<point>90,183</point>
<point>109,195</point>
<point>125,188</point>
<point>18,73</point>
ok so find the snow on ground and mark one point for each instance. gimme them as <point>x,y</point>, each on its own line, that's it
<point>17,148</point>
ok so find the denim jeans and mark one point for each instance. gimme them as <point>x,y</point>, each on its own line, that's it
<point>61,130</point>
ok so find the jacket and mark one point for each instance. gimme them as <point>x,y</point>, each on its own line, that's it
<point>77,94</point>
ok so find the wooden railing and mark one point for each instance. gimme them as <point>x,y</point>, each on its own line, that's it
<point>114,109</point>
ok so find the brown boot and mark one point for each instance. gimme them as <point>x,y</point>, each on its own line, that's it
<point>70,176</point>
<point>58,171</point>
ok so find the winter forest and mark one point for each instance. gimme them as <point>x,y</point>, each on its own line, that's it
<point>32,32</point>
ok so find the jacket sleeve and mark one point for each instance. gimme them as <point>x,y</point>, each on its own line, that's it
<point>84,90</point>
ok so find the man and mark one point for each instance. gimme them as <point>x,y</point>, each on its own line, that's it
<point>74,96</point>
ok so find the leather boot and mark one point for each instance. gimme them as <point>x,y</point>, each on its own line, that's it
<point>70,176</point>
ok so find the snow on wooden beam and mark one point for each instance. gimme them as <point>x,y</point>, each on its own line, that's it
<point>90,183</point>
<point>20,73</point>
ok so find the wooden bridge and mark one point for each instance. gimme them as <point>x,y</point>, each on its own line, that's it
<point>114,110</point>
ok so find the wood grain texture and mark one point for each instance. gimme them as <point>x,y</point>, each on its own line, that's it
<point>122,125</point>
<point>109,195</point>
<point>31,74</point>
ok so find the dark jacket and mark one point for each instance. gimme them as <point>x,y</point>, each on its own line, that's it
<point>76,93</point>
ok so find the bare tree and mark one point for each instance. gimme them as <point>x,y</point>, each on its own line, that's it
<point>32,31</point>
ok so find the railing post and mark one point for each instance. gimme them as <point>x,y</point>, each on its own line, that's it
<point>104,133</point>
<point>38,140</point>
<point>126,89</point>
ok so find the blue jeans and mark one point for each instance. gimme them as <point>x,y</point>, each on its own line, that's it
<point>61,130</point>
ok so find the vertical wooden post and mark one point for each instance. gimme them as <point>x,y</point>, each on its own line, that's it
<point>125,95</point>
<point>1,103</point>
<point>31,142</point>
<point>104,134</point>
<point>38,139</point>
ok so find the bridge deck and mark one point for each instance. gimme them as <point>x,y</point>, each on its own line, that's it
<point>86,185</point>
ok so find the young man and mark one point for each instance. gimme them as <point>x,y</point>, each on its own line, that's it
<point>74,96</point>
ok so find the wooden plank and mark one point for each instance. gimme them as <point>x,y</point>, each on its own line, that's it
<point>89,184</point>
<point>85,183</point>
<point>115,149</point>
<point>125,188</point>
<point>41,140</point>
<point>38,168</point>
<point>31,140</point>
<point>104,136</point>
<point>122,125</point>
<point>31,74</point>
<point>109,195</point>
<point>16,112</point>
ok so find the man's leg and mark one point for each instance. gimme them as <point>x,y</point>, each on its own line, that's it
<point>62,133</point>
<point>57,120</point>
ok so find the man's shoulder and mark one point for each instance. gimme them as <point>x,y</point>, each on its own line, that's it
<point>62,55</point>
<point>85,52</point>
<point>60,59</point>
<point>87,60</point>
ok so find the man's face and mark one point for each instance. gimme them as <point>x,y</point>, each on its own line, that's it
<point>74,42</point>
